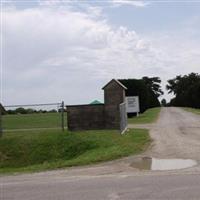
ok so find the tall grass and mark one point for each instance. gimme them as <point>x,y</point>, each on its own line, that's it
<point>35,151</point>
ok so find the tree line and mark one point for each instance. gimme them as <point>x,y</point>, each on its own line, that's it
<point>148,89</point>
<point>186,91</point>
<point>22,110</point>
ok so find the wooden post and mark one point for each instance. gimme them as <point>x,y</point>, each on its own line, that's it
<point>62,116</point>
<point>1,128</point>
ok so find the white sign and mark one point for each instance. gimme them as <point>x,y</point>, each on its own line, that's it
<point>132,104</point>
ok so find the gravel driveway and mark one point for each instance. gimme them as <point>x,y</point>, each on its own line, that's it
<point>175,135</point>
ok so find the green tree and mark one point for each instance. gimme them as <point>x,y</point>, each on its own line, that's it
<point>21,111</point>
<point>153,83</point>
<point>163,102</point>
<point>148,90</point>
<point>186,90</point>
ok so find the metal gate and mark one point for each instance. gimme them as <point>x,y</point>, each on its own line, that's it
<point>123,117</point>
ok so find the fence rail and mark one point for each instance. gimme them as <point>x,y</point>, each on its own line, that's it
<point>31,105</point>
<point>33,117</point>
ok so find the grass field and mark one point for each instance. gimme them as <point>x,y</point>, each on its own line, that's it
<point>42,150</point>
<point>149,116</point>
<point>53,120</point>
<point>36,120</point>
<point>193,110</point>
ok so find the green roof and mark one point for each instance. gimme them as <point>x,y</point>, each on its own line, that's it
<point>95,102</point>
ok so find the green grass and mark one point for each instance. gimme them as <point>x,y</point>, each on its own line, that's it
<point>36,120</point>
<point>149,116</point>
<point>193,110</point>
<point>43,150</point>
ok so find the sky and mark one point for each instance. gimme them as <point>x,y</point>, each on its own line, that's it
<point>53,51</point>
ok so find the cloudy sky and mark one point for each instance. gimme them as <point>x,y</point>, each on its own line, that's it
<point>67,50</point>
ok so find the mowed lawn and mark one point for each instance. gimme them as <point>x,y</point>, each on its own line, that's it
<point>193,110</point>
<point>51,149</point>
<point>149,116</point>
<point>29,121</point>
<point>53,120</point>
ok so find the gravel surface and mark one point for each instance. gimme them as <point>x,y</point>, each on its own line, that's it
<point>176,135</point>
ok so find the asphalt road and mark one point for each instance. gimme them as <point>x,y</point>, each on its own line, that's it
<point>176,134</point>
<point>115,187</point>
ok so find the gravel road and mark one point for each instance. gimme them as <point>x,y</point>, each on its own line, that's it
<point>176,134</point>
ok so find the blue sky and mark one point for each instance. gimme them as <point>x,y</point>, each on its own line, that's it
<point>154,17</point>
<point>67,50</point>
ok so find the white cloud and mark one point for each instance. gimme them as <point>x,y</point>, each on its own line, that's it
<point>136,3</point>
<point>94,11</point>
<point>52,55</point>
<point>53,2</point>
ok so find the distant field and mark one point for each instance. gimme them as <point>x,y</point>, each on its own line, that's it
<point>29,121</point>
<point>53,120</point>
<point>149,116</point>
<point>51,149</point>
<point>193,110</point>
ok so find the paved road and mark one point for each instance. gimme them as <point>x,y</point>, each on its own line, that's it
<point>115,187</point>
<point>176,135</point>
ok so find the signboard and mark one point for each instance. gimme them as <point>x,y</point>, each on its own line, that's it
<point>132,104</point>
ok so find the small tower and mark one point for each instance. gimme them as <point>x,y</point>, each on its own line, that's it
<point>114,95</point>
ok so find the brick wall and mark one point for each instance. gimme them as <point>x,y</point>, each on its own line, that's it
<point>85,117</point>
<point>98,116</point>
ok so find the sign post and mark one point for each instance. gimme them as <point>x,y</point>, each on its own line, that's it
<point>132,104</point>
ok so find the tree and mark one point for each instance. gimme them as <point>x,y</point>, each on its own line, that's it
<point>186,90</point>
<point>21,110</point>
<point>163,102</point>
<point>154,84</point>
<point>148,90</point>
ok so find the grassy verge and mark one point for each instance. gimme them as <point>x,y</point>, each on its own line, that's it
<point>193,110</point>
<point>36,151</point>
<point>149,116</point>
<point>36,120</point>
